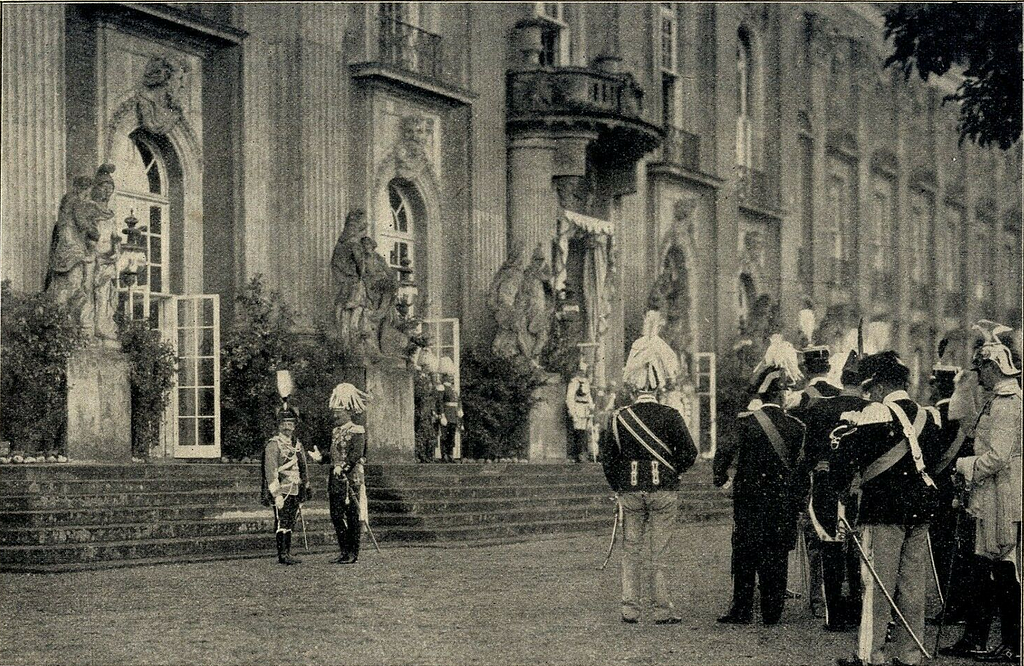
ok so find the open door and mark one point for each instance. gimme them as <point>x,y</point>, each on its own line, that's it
<point>195,408</point>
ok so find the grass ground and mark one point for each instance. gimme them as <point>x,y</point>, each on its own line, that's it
<point>542,602</point>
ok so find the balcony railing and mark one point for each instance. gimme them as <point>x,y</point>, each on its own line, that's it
<point>572,90</point>
<point>409,48</point>
<point>759,188</point>
<point>682,148</point>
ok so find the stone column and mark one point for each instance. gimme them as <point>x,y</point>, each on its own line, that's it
<point>532,203</point>
<point>791,226</point>
<point>821,265</point>
<point>33,128</point>
<point>903,315</point>
<point>862,77</point>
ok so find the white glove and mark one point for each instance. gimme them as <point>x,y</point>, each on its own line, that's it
<point>279,502</point>
<point>444,420</point>
<point>337,470</point>
<point>316,455</point>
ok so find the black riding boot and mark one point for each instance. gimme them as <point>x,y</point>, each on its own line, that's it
<point>288,549</point>
<point>282,548</point>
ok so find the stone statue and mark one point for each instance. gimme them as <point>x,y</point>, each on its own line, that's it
<point>534,308</point>
<point>347,269</point>
<point>83,256</point>
<point>501,300</point>
<point>108,251</point>
<point>366,290</point>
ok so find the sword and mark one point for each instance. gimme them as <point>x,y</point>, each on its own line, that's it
<point>615,526</point>
<point>888,597</point>
<point>366,523</point>
<point>302,521</point>
<point>949,576</point>
<point>935,569</point>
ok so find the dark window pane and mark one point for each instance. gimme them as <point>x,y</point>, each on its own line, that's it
<point>187,402</point>
<point>156,279</point>
<point>186,432</point>
<point>154,179</point>
<point>207,318</point>
<point>144,153</point>
<point>155,250</point>
<point>206,342</point>
<point>206,432</point>
<point>155,220</point>
<point>206,402</point>
<point>187,372</point>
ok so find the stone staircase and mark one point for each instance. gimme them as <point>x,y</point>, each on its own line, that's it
<point>61,517</point>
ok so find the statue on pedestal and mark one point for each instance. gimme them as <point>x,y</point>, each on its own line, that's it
<point>501,300</point>
<point>82,270</point>
<point>534,308</point>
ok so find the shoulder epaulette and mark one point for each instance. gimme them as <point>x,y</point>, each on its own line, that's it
<point>1007,392</point>
<point>874,412</point>
<point>934,413</point>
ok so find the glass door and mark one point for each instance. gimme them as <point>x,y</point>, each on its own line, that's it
<point>196,398</point>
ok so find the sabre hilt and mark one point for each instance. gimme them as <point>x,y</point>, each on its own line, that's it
<point>837,434</point>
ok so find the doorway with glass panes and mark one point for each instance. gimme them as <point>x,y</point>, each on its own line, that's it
<point>149,187</point>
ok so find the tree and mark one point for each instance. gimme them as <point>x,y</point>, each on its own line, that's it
<point>984,40</point>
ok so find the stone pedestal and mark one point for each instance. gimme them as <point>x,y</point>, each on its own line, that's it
<point>389,415</point>
<point>99,406</point>
<point>548,434</point>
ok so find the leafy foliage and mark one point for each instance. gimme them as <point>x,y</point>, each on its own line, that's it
<point>984,39</point>
<point>318,367</point>
<point>259,342</point>
<point>38,338</point>
<point>152,369</point>
<point>497,395</point>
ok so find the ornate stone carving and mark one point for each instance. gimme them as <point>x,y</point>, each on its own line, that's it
<point>366,292</point>
<point>501,300</point>
<point>158,102</point>
<point>84,251</point>
<point>415,135</point>
<point>670,293</point>
<point>524,319</point>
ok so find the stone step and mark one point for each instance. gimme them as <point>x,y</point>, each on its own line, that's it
<point>118,486</point>
<point>87,517</point>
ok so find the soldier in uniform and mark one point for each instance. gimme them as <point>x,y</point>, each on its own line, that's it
<point>643,451</point>
<point>815,364</point>
<point>825,501</point>
<point>285,481</point>
<point>993,477</point>
<point>889,442</point>
<point>765,450</point>
<point>451,409</point>
<point>579,402</point>
<point>346,489</point>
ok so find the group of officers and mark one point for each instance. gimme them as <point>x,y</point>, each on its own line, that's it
<point>893,498</point>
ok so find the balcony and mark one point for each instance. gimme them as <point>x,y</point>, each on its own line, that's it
<point>681,148</point>
<point>758,188</point>
<point>409,48</point>
<point>578,97</point>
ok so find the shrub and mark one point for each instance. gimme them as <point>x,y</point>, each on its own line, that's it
<point>259,342</point>
<point>38,338</point>
<point>317,369</point>
<point>152,369</point>
<point>497,396</point>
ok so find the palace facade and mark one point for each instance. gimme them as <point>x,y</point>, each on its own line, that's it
<point>691,156</point>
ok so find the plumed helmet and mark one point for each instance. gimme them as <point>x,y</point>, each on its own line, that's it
<point>816,359</point>
<point>944,378</point>
<point>883,367</point>
<point>348,397</point>
<point>851,370</point>
<point>993,349</point>
<point>446,366</point>
<point>651,363</point>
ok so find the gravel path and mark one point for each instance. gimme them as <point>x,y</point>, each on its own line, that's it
<point>542,602</point>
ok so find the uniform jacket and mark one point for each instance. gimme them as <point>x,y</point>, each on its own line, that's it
<point>764,505</point>
<point>994,472</point>
<point>899,495</point>
<point>348,449</point>
<point>451,405</point>
<point>816,389</point>
<point>630,465</point>
<point>815,483</point>
<point>284,470</point>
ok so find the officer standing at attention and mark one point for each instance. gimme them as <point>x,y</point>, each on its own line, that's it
<point>765,450</point>
<point>644,450</point>
<point>285,481</point>
<point>889,442</point>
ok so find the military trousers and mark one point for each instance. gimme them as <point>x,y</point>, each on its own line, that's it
<point>899,554</point>
<point>284,518</point>
<point>345,518</point>
<point>647,518</point>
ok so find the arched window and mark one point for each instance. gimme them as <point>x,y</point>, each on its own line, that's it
<point>744,98</point>
<point>143,189</point>
<point>401,230</point>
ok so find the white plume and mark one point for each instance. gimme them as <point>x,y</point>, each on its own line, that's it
<point>807,323</point>
<point>782,354</point>
<point>348,397</point>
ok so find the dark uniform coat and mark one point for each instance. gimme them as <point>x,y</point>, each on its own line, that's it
<point>629,465</point>
<point>900,494</point>
<point>763,499</point>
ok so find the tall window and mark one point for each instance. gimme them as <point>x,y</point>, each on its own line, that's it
<point>952,251</point>
<point>840,232</point>
<point>881,239</point>
<point>920,222</point>
<point>554,36</point>
<point>142,184</point>
<point>667,34</point>
<point>744,67</point>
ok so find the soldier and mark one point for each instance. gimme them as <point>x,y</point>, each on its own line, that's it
<point>579,402</point>
<point>346,490</point>
<point>815,365</point>
<point>451,409</point>
<point>644,450</point>
<point>825,502</point>
<point>993,476</point>
<point>285,481</point>
<point>889,441</point>
<point>765,449</point>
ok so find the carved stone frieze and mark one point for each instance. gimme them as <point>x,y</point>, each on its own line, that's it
<point>158,101</point>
